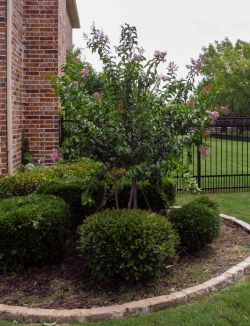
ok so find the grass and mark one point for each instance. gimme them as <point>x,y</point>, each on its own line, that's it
<point>228,158</point>
<point>235,204</point>
<point>231,307</point>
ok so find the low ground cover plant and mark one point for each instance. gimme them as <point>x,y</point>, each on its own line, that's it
<point>126,244</point>
<point>197,223</point>
<point>33,230</point>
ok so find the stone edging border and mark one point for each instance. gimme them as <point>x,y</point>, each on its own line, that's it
<point>134,308</point>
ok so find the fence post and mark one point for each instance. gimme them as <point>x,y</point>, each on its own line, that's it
<point>198,167</point>
<point>61,131</point>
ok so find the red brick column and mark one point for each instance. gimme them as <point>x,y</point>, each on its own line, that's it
<point>41,34</point>
<point>3,62</point>
<point>40,64</point>
<point>17,79</point>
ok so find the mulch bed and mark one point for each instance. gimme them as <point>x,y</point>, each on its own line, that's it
<point>67,286</point>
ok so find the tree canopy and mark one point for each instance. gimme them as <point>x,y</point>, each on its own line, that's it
<point>225,74</point>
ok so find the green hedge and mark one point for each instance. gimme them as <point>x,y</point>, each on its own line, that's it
<point>33,230</point>
<point>197,223</point>
<point>126,244</point>
<point>22,183</point>
<point>84,198</point>
<point>25,183</point>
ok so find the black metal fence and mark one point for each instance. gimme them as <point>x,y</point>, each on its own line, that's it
<point>228,166</point>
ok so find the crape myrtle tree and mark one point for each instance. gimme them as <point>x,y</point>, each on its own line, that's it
<point>128,116</point>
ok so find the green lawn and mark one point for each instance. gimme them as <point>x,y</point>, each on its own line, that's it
<point>227,157</point>
<point>235,203</point>
<point>231,307</point>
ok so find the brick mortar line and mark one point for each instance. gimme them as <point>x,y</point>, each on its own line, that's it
<point>133,308</point>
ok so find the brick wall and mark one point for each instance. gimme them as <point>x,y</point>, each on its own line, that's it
<point>48,33</point>
<point>41,34</point>
<point>17,77</point>
<point>3,128</point>
<point>65,33</point>
<point>40,64</point>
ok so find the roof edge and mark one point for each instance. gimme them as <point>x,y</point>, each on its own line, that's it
<point>73,13</point>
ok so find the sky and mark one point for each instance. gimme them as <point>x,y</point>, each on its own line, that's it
<point>180,27</point>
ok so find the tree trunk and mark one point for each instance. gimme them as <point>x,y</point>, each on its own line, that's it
<point>133,195</point>
<point>116,196</point>
<point>135,206</point>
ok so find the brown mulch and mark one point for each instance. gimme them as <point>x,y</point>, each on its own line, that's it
<point>67,286</point>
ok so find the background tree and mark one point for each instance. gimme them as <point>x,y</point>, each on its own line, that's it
<point>128,116</point>
<point>226,77</point>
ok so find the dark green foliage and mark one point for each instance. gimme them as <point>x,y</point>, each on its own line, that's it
<point>151,195</point>
<point>126,244</point>
<point>196,223</point>
<point>84,198</point>
<point>26,155</point>
<point>33,231</point>
<point>205,200</point>
<point>167,189</point>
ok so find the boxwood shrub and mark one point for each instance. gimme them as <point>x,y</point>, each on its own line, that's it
<point>25,183</point>
<point>33,230</point>
<point>83,197</point>
<point>197,223</point>
<point>22,183</point>
<point>125,244</point>
<point>205,200</point>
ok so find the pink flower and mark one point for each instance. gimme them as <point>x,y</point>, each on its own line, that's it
<point>56,156</point>
<point>160,56</point>
<point>97,95</point>
<point>213,115</point>
<point>137,58</point>
<point>165,78</point>
<point>85,72</point>
<point>204,151</point>
<point>197,64</point>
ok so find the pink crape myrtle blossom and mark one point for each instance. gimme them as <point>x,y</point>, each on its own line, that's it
<point>165,78</point>
<point>56,156</point>
<point>137,58</point>
<point>204,151</point>
<point>197,64</point>
<point>85,72</point>
<point>213,115</point>
<point>97,95</point>
<point>160,56</point>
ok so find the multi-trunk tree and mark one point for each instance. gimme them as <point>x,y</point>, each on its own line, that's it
<point>128,116</point>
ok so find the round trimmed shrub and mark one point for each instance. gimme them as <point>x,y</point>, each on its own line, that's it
<point>197,224</point>
<point>205,200</point>
<point>126,244</point>
<point>33,230</point>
